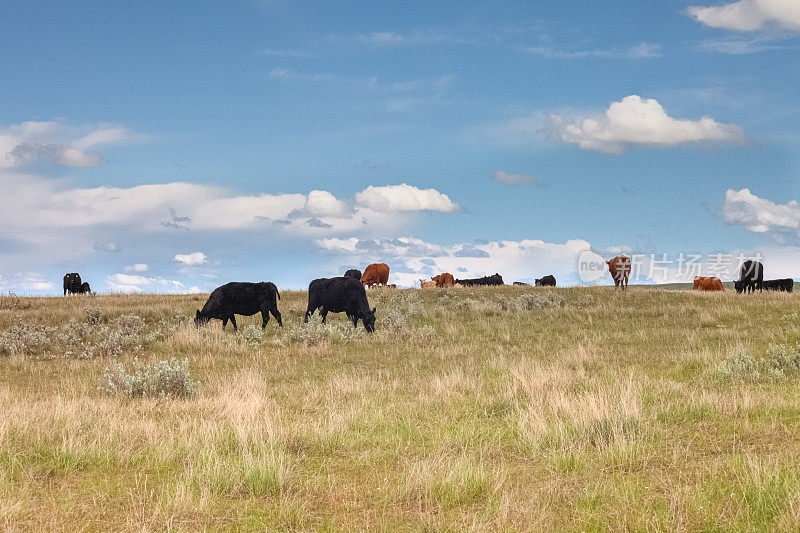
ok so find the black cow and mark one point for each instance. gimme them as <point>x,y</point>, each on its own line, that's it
<point>783,285</point>
<point>337,295</point>
<point>72,283</point>
<point>751,277</point>
<point>85,288</point>
<point>497,279</point>
<point>353,273</point>
<point>546,281</point>
<point>241,298</point>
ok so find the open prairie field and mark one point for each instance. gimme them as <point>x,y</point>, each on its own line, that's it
<point>510,409</point>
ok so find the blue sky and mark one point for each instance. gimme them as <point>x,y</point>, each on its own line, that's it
<point>495,137</point>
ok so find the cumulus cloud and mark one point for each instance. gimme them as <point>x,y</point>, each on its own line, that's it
<point>71,146</point>
<point>41,208</point>
<point>128,283</point>
<point>31,281</point>
<point>404,197</point>
<point>507,178</point>
<point>750,15</point>
<point>138,267</point>
<point>636,121</point>
<point>759,215</point>
<point>192,259</point>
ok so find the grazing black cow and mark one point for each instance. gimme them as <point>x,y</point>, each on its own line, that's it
<point>72,283</point>
<point>751,277</point>
<point>783,285</point>
<point>85,288</point>
<point>241,298</point>
<point>353,273</point>
<point>337,295</point>
<point>497,279</point>
<point>546,281</point>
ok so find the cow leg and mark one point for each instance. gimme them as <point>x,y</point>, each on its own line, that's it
<point>264,318</point>
<point>224,323</point>
<point>354,319</point>
<point>277,315</point>
<point>233,321</point>
<point>324,314</point>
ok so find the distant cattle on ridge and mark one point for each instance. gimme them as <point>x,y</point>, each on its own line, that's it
<point>546,281</point>
<point>620,269</point>
<point>444,280</point>
<point>72,283</point>
<point>707,283</point>
<point>241,298</point>
<point>751,277</point>
<point>495,279</point>
<point>375,274</point>
<point>783,285</point>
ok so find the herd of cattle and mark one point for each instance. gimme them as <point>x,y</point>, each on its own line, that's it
<point>347,294</point>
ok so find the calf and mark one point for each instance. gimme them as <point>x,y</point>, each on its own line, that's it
<point>546,281</point>
<point>427,284</point>
<point>783,285</point>
<point>241,298</point>
<point>337,295</point>
<point>85,288</point>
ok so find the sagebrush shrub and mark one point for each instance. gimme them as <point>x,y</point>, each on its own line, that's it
<point>777,362</point>
<point>168,378</point>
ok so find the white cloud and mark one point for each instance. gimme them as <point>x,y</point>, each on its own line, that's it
<point>128,283</point>
<point>323,203</point>
<point>413,38</point>
<point>507,178</point>
<point>71,146</point>
<point>642,50</point>
<point>138,267</point>
<point>404,197</point>
<point>750,15</point>
<point>30,281</point>
<point>635,121</point>
<point>42,209</point>
<point>192,259</point>
<point>760,215</point>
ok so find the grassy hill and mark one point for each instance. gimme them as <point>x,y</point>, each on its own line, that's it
<point>473,409</point>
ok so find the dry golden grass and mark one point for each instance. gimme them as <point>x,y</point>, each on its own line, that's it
<point>574,409</point>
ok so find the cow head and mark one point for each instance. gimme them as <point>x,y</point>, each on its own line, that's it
<point>369,320</point>
<point>738,285</point>
<point>200,319</point>
<point>538,282</point>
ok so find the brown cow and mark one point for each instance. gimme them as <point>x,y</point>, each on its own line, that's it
<point>427,284</point>
<point>710,283</point>
<point>375,274</point>
<point>444,280</point>
<point>620,269</point>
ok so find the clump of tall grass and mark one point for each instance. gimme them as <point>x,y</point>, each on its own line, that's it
<point>314,332</point>
<point>778,362</point>
<point>158,379</point>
